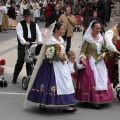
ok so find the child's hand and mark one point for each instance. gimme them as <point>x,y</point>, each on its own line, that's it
<point>80,66</point>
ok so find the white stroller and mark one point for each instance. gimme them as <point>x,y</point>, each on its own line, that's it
<point>31,54</point>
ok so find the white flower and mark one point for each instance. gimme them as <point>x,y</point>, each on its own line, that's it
<point>50,52</point>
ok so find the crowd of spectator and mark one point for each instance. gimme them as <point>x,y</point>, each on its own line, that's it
<point>50,10</point>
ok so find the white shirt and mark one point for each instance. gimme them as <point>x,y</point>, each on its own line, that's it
<point>4,9</point>
<point>37,13</point>
<point>108,38</point>
<point>19,31</point>
<point>71,66</point>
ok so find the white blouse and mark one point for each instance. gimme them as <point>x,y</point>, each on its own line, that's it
<point>108,38</point>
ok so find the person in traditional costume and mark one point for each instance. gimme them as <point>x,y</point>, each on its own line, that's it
<point>112,38</point>
<point>4,22</point>
<point>27,32</point>
<point>12,15</point>
<point>51,82</point>
<point>74,66</point>
<point>93,84</point>
<point>23,6</point>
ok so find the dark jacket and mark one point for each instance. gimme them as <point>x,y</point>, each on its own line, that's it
<point>55,16</point>
<point>76,10</point>
<point>86,14</point>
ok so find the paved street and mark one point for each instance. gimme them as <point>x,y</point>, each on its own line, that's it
<point>12,97</point>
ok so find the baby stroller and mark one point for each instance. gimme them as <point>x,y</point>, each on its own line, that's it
<point>118,93</point>
<point>77,27</point>
<point>3,82</point>
<point>31,54</point>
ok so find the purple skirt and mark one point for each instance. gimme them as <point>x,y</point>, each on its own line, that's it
<point>86,92</point>
<point>44,88</point>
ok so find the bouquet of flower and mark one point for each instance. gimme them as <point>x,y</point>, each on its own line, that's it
<point>53,52</point>
<point>104,52</point>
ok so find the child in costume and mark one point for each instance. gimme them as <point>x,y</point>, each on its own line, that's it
<point>73,66</point>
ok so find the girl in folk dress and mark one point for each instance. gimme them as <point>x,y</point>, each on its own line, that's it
<point>74,66</point>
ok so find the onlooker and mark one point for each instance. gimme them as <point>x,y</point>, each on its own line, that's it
<point>68,21</point>
<point>4,22</point>
<point>76,11</point>
<point>48,12</point>
<point>56,14</point>
<point>23,6</point>
<point>110,3</point>
<point>95,17</point>
<point>36,13</point>
<point>101,11</point>
<point>86,14</point>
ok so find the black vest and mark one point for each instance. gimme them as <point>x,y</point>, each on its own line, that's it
<point>25,32</point>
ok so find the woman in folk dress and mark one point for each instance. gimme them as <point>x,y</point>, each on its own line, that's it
<point>4,22</point>
<point>93,84</point>
<point>53,83</point>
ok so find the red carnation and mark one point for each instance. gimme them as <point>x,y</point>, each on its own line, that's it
<point>2,62</point>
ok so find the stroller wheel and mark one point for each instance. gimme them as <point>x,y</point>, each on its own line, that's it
<point>5,83</point>
<point>118,93</point>
<point>117,89</point>
<point>25,82</point>
<point>1,83</point>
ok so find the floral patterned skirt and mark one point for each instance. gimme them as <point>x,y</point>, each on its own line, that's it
<point>86,92</point>
<point>44,88</point>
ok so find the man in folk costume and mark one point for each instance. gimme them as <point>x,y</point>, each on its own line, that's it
<point>27,31</point>
<point>112,38</point>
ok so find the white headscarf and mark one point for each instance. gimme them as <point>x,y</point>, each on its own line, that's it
<point>87,35</point>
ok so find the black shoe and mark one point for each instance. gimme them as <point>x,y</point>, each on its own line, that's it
<point>14,81</point>
<point>97,106</point>
<point>69,111</point>
<point>43,107</point>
